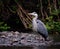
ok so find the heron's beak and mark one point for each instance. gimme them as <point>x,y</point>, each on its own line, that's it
<point>30,14</point>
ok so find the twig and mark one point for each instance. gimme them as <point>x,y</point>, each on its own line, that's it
<point>20,16</point>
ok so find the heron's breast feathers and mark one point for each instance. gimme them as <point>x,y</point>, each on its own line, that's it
<point>34,27</point>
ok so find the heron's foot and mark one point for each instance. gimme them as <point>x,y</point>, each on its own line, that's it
<point>48,39</point>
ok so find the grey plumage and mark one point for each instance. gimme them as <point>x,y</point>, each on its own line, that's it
<point>42,29</point>
<point>38,25</point>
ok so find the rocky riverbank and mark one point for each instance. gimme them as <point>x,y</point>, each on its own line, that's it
<point>22,39</point>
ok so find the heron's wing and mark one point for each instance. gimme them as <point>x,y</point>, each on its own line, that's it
<point>41,28</point>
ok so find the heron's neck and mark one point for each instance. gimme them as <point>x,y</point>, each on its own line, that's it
<point>35,18</point>
<point>35,23</point>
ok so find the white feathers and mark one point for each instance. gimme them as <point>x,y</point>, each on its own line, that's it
<point>33,14</point>
<point>34,21</point>
<point>34,24</point>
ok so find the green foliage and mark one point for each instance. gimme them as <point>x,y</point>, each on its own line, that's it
<point>13,8</point>
<point>57,26</point>
<point>3,27</point>
<point>52,25</point>
<point>16,0</point>
<point>59,2</point>
<point>55,12</point>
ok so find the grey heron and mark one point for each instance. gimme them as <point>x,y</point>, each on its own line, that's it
<point>38,25</point>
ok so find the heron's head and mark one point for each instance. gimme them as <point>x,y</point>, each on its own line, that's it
<point>33,14</point>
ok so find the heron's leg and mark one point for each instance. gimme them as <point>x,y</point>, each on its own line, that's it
<point>44,37</point>
<point>34,32</point>
<point>48,39</point>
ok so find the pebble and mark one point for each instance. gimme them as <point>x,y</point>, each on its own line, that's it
<point>3,36</point>
<point>10,34</point>
<point>23,41</point>
<point>17,33</point>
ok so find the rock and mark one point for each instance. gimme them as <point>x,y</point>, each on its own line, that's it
<point>35,41</point>
<point>23,36</point>
<point>16,33</point>
<point>3,36</point>
<point>23,41</point>
<point>14,39</point>
<point>10,34</point>
<point>29,41</point>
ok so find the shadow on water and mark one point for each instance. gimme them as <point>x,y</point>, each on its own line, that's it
<point>54,47</point>
<point>15,47</point>
<point>27,47</point>
<point>50,47</point>
<point>56,38</point>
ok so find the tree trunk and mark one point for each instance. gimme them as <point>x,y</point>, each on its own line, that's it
<point>54,3</point>
<point>55,7</point>
<point>41,9</point>
<point>49,7</point>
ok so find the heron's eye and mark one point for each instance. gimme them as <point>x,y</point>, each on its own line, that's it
<point>37,22</point>
<point>34,12</point>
